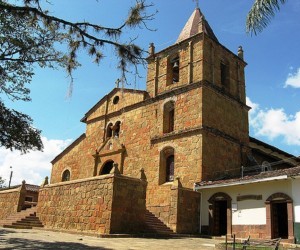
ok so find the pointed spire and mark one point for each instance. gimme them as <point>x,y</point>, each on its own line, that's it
<point>196,24</point>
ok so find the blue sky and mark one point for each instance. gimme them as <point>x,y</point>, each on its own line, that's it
<point>272,74</point>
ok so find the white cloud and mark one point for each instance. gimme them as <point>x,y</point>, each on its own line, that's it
<point>254,106</point>
<point>33,166</point>
<point>293,80</point>
<point>274,123</point>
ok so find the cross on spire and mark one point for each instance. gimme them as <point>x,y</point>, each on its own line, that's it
<point>197,3</point>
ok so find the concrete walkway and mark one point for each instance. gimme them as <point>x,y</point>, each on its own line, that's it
<point>40,239</point>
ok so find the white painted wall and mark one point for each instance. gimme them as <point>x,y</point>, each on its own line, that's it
<point>296,198</point>
<point>250,212</point>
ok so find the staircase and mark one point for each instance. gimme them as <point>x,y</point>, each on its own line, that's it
<point>155,226</point>
<point>26,219</point>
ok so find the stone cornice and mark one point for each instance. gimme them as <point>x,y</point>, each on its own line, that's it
<point>115,152</point>
<point>68,149</point>
<point>175,91</point>
<point>196,130</point>
<point>176,134</point>
<point>10,190</point>
<point>108,177</point>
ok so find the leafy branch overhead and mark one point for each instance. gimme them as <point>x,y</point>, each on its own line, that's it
<point>17,131</point>
<point>261,13</point>
<point>30,35</point>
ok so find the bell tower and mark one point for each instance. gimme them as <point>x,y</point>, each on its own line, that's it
<point>199,60</point>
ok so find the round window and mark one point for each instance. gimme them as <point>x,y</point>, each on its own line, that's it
<point>116,99</point>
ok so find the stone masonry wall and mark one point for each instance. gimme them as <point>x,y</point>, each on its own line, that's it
<point>226,156</point>
<point>190,66</point>
<point>188,212</point>
<point>9,202</point>
<point>128,206</point>
<point>224,115</point>
<point>87,205</point>
<point>214,54</point>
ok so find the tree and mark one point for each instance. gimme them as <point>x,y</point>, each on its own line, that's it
<point>29,35</point>
<point>1,182</point>
<point>261,14</point>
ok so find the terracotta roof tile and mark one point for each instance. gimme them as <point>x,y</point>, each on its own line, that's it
<point>289,172</point>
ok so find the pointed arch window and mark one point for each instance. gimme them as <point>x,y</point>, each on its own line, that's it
<point>66,175</point>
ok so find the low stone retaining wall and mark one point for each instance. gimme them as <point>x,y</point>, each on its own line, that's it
<point>182,212</point>
<point>11,201</point>
<point>99,205</point>
<point>188,212</point>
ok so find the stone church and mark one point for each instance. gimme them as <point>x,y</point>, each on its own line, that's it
<point>136,167</point>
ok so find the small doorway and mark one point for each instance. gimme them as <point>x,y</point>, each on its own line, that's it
<point>279,220</point>
<point>220,221</point>
<point>220,216</point>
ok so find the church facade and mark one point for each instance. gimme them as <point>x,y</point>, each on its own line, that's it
<point>143,151</point>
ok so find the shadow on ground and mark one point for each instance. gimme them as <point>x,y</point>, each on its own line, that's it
<point>6,231</point>
<point>13,243</point>
<point>18,243</point>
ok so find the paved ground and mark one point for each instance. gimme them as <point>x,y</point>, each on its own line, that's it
<point>39,239</point>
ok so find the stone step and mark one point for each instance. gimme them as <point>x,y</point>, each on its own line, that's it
<point>25,219</point>
<point>30,221</point>
<point>17,227</point>
<point>27,224</point>
<point>154,226</point>
<point>31,218</point>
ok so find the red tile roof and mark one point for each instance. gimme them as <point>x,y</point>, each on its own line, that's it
<point>289,172</point>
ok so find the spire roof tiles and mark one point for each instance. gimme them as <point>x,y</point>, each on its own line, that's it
<point>196,24</point>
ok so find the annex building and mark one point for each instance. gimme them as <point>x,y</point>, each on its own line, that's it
<point>176,157</point>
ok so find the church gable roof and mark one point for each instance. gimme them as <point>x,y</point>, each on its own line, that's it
<point>196,24</point>
<point>100,107</point>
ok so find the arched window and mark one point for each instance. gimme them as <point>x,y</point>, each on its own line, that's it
<point>167,165</point>
<point>169,117</point>
<point>107,167</point>
<point>173,70</point>
<point>170,168</point>
<point>117,128</point>
<point>66,175</point>
<point>109,130</point>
